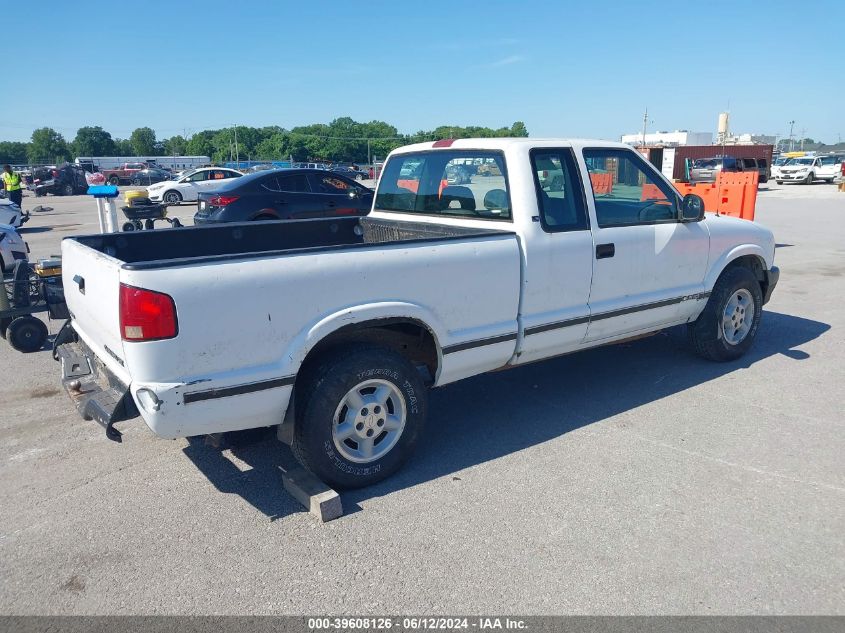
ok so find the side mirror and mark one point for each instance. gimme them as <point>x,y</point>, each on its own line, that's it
<point>692,208</point>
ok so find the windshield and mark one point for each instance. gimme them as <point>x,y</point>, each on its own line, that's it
<point>424,183</point>
<point>802,161</point>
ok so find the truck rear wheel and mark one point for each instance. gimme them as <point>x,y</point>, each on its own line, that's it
<point>726,329</point>
<point>359,415</point>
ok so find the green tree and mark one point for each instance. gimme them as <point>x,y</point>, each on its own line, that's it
<point>519,129</point>
<point>143,141</point>
<point>200,144</point>
<point>175,145</point>
<point>93,141</point>
<point>275,147</point>
<point>12,152</point>
<point>47,146</point>
<point>123,147</point>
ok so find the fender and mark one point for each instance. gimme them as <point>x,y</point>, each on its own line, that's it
<point>736,252</point>
<point>305,340</point>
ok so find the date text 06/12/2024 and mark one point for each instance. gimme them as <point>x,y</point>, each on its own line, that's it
<point>414,623</point>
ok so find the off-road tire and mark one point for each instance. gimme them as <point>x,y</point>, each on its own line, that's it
<point>706,333</point>
<point>320,390</point>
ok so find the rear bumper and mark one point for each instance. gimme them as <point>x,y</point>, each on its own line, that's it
<point>204,219</point>
<point>771,280</point>
<point>95,391</point>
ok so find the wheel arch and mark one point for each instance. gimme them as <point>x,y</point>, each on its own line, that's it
<point>748,256</point>
<point>271,212</point>
<point>405,328</point>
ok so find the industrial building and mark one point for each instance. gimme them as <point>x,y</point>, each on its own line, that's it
<point>669,139</point>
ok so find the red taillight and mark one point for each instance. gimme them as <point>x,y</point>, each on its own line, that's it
<point>222,201</point>
<point>146,315</point>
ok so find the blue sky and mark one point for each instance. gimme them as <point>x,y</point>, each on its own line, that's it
<point>564,68</point>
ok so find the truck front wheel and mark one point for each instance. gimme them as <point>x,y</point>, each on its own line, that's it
<point>359,415</point>
<point>726,329</point>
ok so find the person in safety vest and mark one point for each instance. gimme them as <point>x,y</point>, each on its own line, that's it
<point>12,184</point>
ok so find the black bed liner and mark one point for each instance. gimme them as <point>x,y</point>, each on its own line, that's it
<point>143,250</point>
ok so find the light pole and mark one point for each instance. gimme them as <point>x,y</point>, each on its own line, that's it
<point>791,137</point>
<point>645,123</point>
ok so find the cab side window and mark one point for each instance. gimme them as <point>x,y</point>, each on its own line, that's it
<point>560,197</point>
<point>627,191</point>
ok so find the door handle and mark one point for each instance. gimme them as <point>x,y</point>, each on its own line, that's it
<point>80,281</point>
<point>331,203</point>
<point>280,201</point>
<point>603,251</point>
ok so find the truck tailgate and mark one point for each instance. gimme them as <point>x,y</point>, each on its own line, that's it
<point>92,288</point>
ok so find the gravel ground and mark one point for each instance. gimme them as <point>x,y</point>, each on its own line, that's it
<point>634,479</point>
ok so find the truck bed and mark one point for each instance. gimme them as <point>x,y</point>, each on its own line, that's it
<point>144,250</point>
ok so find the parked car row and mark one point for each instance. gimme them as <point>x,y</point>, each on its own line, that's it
<point>808,169</point>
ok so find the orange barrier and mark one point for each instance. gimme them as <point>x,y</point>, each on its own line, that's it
<point>651,192</point>
<point>707,190</point>
<point>602,183</point>
<point>738,193</point>
<point>414,185</point>
<point>732,194</point>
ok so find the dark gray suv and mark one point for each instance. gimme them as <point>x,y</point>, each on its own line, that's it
<point>707,169</point>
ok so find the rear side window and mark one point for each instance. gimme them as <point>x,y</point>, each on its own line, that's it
<point>326,183</point>
<point>560,197</point>
<point>296,183</point>
<point>459,183</point>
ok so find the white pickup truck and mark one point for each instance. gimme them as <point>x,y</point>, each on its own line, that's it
<point>338,327</point>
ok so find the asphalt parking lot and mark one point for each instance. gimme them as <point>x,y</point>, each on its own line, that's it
<point>633,479</point>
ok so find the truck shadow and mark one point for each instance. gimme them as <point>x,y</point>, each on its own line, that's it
<point>489,416</point>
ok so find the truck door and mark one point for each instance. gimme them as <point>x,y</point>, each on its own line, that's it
<point>648,267</point>
<point>558,254</point>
